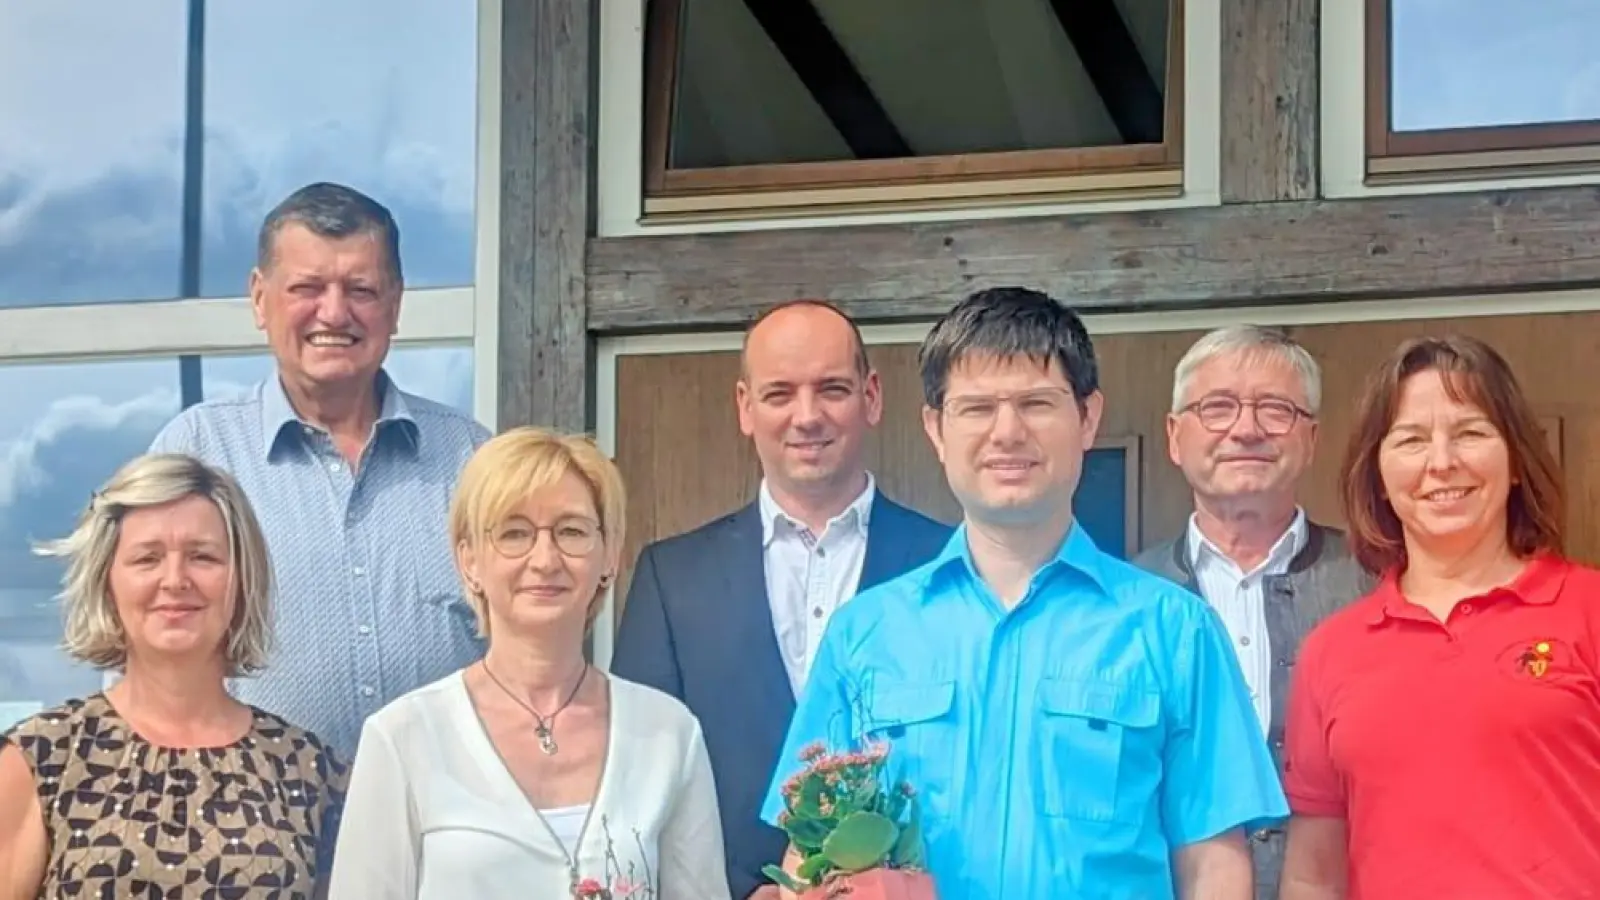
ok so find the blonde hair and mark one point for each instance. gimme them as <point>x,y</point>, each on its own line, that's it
<point>518,463</point>
<point>93,632</point>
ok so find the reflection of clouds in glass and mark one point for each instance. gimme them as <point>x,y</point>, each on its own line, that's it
<point>1485,62</point>
<point>90,202</point>
<point>72,428</point>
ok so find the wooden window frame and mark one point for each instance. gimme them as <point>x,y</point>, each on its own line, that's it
<point>1447,153</point>
<point>1121,171</point>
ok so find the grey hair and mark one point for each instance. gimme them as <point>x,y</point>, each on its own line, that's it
<point>93,632</point>
<point>331,211</point>
<point>1252,341</point>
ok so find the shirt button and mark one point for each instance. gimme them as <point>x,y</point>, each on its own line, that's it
<point>363,629</point>
<point>1466,609</point>
<point>333,467</point>
<point>1244,640</point>
<point>358,571</point>
<point>821,552</point>
<point>367,691</point>
<point>816,612</point>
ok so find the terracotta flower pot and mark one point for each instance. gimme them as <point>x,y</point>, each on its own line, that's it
<point>876,884</point>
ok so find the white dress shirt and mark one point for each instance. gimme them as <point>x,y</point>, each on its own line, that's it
<point>809,576</point>
<point>1239,599</point>
<point>434,814</point>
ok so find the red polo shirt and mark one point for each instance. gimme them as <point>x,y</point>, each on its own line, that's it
<point>1464,755</point>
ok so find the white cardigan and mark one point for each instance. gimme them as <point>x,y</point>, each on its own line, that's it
<point>433,814</point>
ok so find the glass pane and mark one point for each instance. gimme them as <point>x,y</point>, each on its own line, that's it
<point>1101,503</point>
<point>64,428</point>
<point>377,94</point>
<point>438,372</point>
<point>1465,63</point>
<point>91,150</point>
<point>968,77</point>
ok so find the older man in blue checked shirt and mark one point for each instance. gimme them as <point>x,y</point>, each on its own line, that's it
<point>350,476</point>
<point>1075,727</point>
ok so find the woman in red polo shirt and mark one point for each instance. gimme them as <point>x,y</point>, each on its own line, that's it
<point>1444,730</point>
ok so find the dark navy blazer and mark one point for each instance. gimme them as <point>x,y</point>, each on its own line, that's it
<point>697,625</point>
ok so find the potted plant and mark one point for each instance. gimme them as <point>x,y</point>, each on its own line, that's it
<point>858,833</point>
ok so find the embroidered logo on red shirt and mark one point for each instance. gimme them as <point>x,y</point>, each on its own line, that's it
<point>1536,659</point>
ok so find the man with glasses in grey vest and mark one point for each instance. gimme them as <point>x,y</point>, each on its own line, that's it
<point>1243,429</point>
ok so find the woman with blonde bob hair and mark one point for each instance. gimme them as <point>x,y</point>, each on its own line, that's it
<point>532,773</point>
<point>164,783</point>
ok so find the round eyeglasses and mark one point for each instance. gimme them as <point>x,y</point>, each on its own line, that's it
<point>574,537</point>
<point>1275,417</point>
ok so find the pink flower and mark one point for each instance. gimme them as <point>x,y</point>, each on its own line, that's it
<point>589,888</point>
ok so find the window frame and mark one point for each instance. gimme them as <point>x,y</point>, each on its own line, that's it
<point>1126,170</point>
<point>192,326</point>
<point>1442,153</point>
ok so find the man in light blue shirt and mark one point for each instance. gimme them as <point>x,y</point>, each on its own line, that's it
<point>350,476</point>
<point>1074,726</point>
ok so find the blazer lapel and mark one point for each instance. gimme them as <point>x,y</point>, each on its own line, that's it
<point>749,624</point>
<point>886,556</point>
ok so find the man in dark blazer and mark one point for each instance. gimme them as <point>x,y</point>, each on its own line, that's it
<point>728,616</point>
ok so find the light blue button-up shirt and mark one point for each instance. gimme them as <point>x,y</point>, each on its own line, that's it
<point>1063,749</point>
<point>368,605</point>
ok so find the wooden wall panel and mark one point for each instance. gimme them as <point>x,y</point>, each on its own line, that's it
<point>685,462</point>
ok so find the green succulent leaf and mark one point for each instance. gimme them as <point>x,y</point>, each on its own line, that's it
<point>813,867</point>
<point>861,840</point>
<point>809,833</point>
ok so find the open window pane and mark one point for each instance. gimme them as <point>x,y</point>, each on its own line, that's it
<point>893,90</point>
<point>91,150</point>
<point>1476,63</point>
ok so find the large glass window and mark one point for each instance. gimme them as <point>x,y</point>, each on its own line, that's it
<point>376,94</point>
<point>955,97</point>
<point>103,101</point>
<point>1479,84</point>
<point>64,428</point>
<point>91,150</point>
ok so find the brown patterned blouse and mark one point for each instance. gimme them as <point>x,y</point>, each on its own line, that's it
<point>125,818</point>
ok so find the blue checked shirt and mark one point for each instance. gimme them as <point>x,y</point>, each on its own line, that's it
<point>1064,748</point>
<point>368,604</point>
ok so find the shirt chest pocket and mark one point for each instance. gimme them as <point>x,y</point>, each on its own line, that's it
<point>1093,739</point>
<point>917,720</point>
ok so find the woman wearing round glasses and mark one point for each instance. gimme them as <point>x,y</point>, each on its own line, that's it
<point>531,773</point>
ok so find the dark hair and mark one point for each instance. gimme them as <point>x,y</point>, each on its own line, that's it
<point>331,211</point>
<point>863,365</point>
<point>1472,373</point>
<point>1009,322</point>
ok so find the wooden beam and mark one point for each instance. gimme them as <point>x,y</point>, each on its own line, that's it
<point>800,34</point>
<point>1270,84</point>
<point>1371,248</point>
<point>544,348</point>
<point>1111,60</point>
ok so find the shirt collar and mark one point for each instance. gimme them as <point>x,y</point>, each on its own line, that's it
<point>1539,584</point>
<point>1287,547</point>
<point>857,515</point>
<point>1078,552</point>
<point>278,415</point>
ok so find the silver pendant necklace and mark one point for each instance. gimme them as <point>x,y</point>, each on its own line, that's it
<point>543,730</point>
